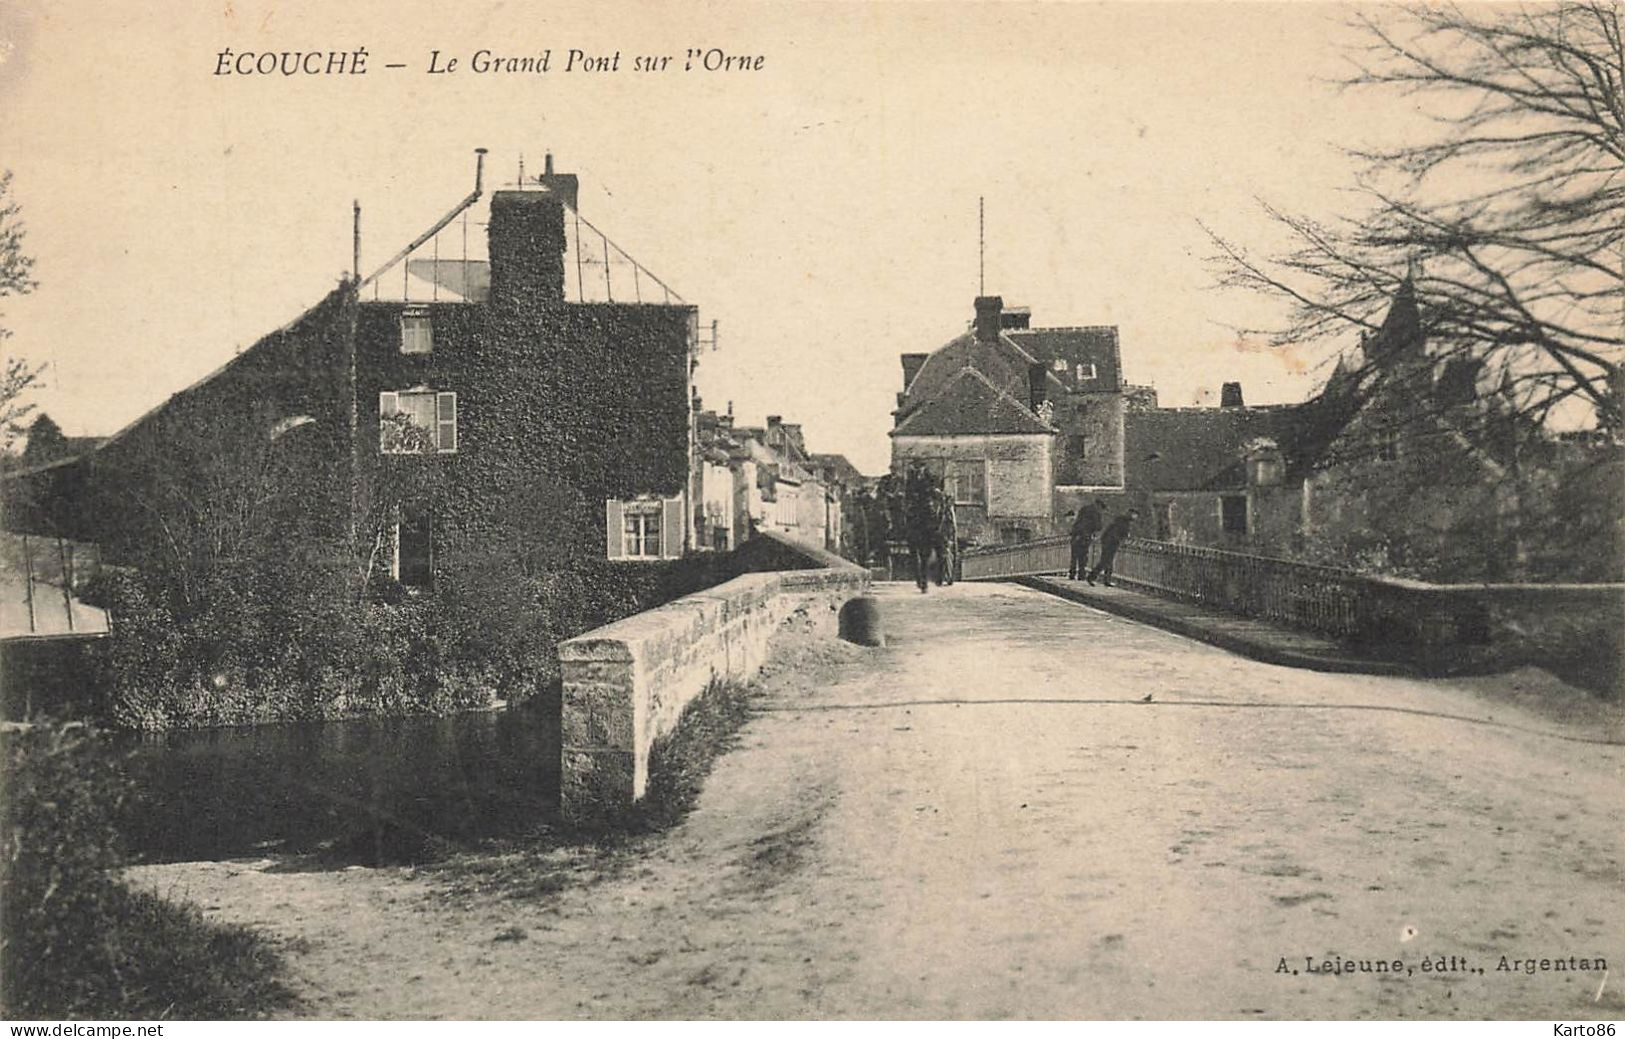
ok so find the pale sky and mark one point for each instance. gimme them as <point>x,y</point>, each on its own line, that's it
<point>822,210</point>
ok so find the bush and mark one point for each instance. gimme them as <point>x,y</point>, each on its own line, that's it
<point>77,942</point>
<point>489,631</point>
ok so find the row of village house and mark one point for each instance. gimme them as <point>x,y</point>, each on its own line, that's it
<point>1408,458</point>
<point>496,367</point>
<point>517,379</point>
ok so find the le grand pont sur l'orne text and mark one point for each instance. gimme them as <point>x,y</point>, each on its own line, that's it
<point>359,62</point>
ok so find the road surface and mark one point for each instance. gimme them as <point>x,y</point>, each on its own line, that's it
<point>983,820</point>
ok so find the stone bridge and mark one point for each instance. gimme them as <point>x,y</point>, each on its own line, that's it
<point>1025,807</point>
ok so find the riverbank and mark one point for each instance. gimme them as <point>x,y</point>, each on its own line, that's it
<point>985,819</point>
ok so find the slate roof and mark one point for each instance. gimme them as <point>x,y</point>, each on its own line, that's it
<point>839,467</point>
<point>1002,362</point>
<point>1093,346</point>
<point>970,404</point>
<point>1196,449</point>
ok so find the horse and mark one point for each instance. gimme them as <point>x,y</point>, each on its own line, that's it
<point>929,527</point>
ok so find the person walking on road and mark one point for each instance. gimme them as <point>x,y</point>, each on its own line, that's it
<point>1084,529</point>
<point>1110,542</point>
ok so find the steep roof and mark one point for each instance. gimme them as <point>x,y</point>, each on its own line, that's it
<point>1000,360</point>
<point>1092,347</point>
<point>970,404</point>
<point>1196,449</point>
<point>839,467</point>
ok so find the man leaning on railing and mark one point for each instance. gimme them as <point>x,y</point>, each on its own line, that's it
<point>1110,541</point>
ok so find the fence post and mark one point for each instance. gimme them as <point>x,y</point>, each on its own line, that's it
<point>28,584</point>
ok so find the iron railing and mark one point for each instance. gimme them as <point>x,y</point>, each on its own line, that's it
<point>1049,555</point>
<point>1321,599</point>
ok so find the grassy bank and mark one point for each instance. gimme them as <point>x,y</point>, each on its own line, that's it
<point>558,856</point>
<point>77,942</point>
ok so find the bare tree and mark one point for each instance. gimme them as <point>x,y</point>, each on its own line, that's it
<point>16,279</point>
<point>1507,222</point>
<point>16,266</point>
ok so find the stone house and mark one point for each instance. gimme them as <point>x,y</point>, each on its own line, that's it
<point>1020,423</point>
<point>524,412</point>
<point>760,478</point>
<point>1404,462</point>
<point>1211,476</point>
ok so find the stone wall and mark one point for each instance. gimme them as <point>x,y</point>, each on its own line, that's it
<point>1019,479</point>
<point>1574,630</point>
<point>626,684</point>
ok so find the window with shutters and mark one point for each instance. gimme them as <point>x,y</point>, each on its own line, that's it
<point>417,334</point>
<point>646,527</point>
<point>640,529</point>
<point>417,421</point>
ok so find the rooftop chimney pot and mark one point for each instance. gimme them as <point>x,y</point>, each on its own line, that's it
<point>1230,395</point>
<point>989,311</point>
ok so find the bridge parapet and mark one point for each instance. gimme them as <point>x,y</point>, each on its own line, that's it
<point>1574,629</point>
<point>626,684</point>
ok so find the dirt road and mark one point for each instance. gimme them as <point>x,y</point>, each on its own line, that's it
<point>983,821</point>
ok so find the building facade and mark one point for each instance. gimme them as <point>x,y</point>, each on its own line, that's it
<point>1019,423</point>
<point>476,410</point>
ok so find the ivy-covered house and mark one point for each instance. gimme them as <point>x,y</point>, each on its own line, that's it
<point>480,395</point>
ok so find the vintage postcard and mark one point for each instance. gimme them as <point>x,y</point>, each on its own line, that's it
<point>827,510</point>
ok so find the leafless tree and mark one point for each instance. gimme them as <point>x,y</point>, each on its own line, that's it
<point>1507,220</point>
<point>16,279</point>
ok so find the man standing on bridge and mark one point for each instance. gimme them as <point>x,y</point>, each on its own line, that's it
<point>1084,529</point>
<point>1110,541</point>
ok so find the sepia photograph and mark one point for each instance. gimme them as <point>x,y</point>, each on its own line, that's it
<point>811,510</point>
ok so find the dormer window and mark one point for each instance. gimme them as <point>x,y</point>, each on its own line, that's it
<point>1060,364</point>
<point>1388,445</point>
<point>1086,371</point>
<point>417,334</point>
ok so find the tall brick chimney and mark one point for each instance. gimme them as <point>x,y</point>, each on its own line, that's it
<point>989,310</point>
<point>1230,395</point>
<point>564,185</point>
<point>1037,385</point>
<point>526,243</point>
<point>912,363</point>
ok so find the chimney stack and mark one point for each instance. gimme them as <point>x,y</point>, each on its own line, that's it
<point>564,185</point>
<point>989,312</point>
<point>912,363</point>
<point>526,243</point>
<point>1230,395</point>
<point>1036,385</point>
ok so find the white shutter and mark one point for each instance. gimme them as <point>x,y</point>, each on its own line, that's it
<point>386,406</point>
<point>613,534</point>
<point>671,528</point>
<point>446,421</point>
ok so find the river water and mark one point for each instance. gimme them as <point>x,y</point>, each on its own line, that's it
<point>364,791</point>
